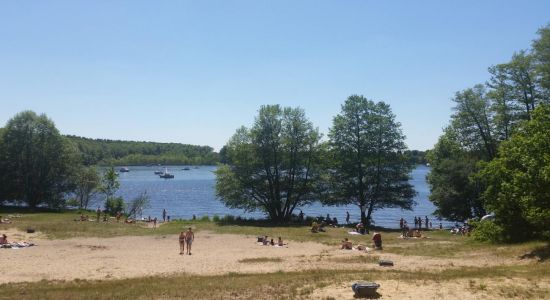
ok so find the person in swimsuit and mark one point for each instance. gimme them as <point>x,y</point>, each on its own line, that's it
<point>189,238</point>
<point>182,242</point>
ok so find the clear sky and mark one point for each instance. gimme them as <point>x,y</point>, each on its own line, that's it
<point>194,71</point>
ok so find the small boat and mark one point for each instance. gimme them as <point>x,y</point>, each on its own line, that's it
<point>186,169</point>
<point>158,172</point>
<point>166,174</point>
<point>124,170</point>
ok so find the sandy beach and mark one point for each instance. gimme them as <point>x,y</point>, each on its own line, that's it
<point>138,256</point>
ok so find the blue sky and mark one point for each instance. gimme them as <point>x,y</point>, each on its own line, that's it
<point>194,71</point>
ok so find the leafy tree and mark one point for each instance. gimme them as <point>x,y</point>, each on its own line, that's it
<point>541,48</point>
<point>453,190</point>
<point>109,186</point>
<point>518,180</point>
<point>87,182</point>
<point>36,161</point>
<point>367,165</point>
<point>273,166</point>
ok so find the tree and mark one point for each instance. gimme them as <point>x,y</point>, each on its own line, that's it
<point>36,160</point>
<point>541,48</point>
<point>137,205</point>
<point>273,166</point>
<point>518,180</point>
<point>109,186</point>
<point>454,192</point>
<point>367,166</point>
<point>86,183</point>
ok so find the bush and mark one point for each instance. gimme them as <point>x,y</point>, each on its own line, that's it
<point>114,205</point>
<point>205,218</point>
<point>216,218</point>
<point>487,231</point>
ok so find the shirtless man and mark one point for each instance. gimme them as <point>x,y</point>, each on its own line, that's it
<point>182,242</point>
<point>189,238</point>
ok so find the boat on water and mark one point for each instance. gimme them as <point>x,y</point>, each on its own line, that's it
<point>158,172</point>
<point>196,167</point>
<point>166,174</point>
<point>186,169</point>
<point>124,170</point>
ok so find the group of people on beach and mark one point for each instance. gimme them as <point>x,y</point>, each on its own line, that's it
<point>376,239</point>
<point>265,241</point>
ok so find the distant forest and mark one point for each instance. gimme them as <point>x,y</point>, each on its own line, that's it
<point>114,152</point>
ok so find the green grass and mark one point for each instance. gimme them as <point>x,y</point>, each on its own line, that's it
<point>278,285</point>
<point>440,243</point>
<point>257,260</point>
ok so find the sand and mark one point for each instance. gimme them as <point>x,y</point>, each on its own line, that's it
<point>138,256</point>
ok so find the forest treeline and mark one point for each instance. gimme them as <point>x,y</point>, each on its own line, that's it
<point>116,152</point>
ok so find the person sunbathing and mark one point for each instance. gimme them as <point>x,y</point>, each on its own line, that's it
<point>280,242</point>
<point>377,239</point>
<point>3,239</point>
<point>346,244</point>
<point>314,227</point>
<point>265,241</point>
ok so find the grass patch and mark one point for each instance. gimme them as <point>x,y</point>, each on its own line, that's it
<point>357,259</point>
<point>278,285</point>
<point>257,260</point>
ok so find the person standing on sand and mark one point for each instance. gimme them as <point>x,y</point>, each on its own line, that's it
<point>347,217</point>
<point>426,222</point>
<point>155,222</point>
<point>163,215</point>
<point>98,212</point>
<point>189,238</point>
<point>182,242</point>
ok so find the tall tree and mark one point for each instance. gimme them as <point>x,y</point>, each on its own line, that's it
<point>367,165</point>
<point>37,159</point>
<point>541,48</point>
<point>456,195</point>
<point>473,121</point>
<point>86,183</point>
<point>518,181</point>
<point>272,167</point>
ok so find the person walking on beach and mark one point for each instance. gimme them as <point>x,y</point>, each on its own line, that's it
<point>182,242</point>
<point>98,212</point>
<point>347,217</point>
<point>189,238</point>
<point>155,222</point>
<point>163,215</point>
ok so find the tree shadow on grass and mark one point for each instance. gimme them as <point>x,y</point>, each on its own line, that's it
<point>541,253</point>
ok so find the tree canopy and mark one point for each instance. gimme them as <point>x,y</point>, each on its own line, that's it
<point>272,166</point>
<point>367,165</point>
<point>36,162</point>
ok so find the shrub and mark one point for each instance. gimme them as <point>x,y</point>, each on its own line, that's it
<point>487,231</point>
<point>205,218</point>
<point>114,205</point>
<point>216,218</point>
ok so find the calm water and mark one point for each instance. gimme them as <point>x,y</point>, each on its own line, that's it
<point>192,193</point>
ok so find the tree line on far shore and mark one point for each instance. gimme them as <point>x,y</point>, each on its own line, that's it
<point>39,166</point>
<point>494,156</point>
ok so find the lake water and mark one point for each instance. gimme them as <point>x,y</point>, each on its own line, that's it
<point>192,192</point>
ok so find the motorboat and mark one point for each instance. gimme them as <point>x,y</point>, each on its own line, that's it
<point>186,169</point>
<point>158,172</point>
<point>124,170</point>
<point>166,174</point>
